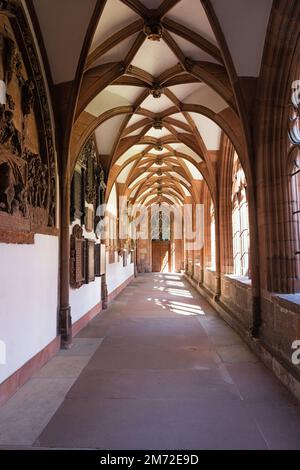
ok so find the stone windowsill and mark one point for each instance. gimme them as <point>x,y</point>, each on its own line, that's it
<point>243,280</point>
<point>288,301</point>
<point>211,270</point>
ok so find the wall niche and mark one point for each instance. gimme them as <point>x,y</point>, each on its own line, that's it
<point>27,159</point>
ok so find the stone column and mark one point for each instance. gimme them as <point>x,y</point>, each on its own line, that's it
<point>65,319</point>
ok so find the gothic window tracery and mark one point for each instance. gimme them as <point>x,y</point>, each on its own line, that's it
<point>240,220</point>
<point>212,236</point>
<point>294,165</point>
<point>161,229</point>
<point>295,203</point>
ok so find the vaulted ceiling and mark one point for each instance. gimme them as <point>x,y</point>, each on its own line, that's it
<point>158,84</point>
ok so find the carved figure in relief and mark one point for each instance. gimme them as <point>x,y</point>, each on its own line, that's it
<point>7,191</point>
<point>26,181</point>
<point>9,59</point>
<point>19,70</point>
<point>27,97</point>
<point>7,127</point>
<point>2,53</point>
<point>13,177</point>
<point>10,102</point>
<point>9,135</point>
<point>37,180</point>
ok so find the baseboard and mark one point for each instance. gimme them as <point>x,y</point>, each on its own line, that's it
<point>12,384</point>
<point>85,319</point>
<point>270,358</point>
<point>119,289</point>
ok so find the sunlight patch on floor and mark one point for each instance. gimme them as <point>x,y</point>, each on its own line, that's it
<point>179,293</point>
<point>185,309</point>
<point>174,283</point>
<point>181,308</point>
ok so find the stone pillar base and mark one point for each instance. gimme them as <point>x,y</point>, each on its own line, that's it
<point>65,327</point>
<point>104,293</point>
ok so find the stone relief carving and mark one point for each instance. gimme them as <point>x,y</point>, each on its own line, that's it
<point>37,180</point>
<point>91,163</point>
<point>77,257</point>
<point>88,185</point>
<point>27,157</point>
<point>27,97</point>
<point>13,176</point>
<point>9,135</point>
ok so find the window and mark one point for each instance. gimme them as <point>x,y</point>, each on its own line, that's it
<point>161,224</point>
<point>295,191</point>
<point>240,220</point>
<point>294,160</point>
<point>213,236</point>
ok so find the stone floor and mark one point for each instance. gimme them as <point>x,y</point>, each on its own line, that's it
<point>158,370</point>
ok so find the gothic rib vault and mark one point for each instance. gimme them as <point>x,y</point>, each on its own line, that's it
<point>171,92</point>
<point>157,93</point>
<point>158,83</point>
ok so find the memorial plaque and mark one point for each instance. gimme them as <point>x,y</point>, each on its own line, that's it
<point>89,219</point>
<point>77,201</point>
<point>77,258</point>
<point>90,261</point>
<point>97,260</point>
<point>103,259</point>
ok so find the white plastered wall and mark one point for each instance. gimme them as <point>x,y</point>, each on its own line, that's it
<point>116,273</point>
<point>28,300</point>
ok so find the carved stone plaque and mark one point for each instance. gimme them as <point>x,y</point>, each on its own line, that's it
<point>90,261</point>
<point>77,203</point>
<point>77,258</point>
<point>103,259</point>
<point>97,260</point>
<point>89,219</point>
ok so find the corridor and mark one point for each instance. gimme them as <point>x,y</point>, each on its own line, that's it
<point>159,370</point>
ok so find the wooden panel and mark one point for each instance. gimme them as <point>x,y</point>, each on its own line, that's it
<point>160,256</point>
